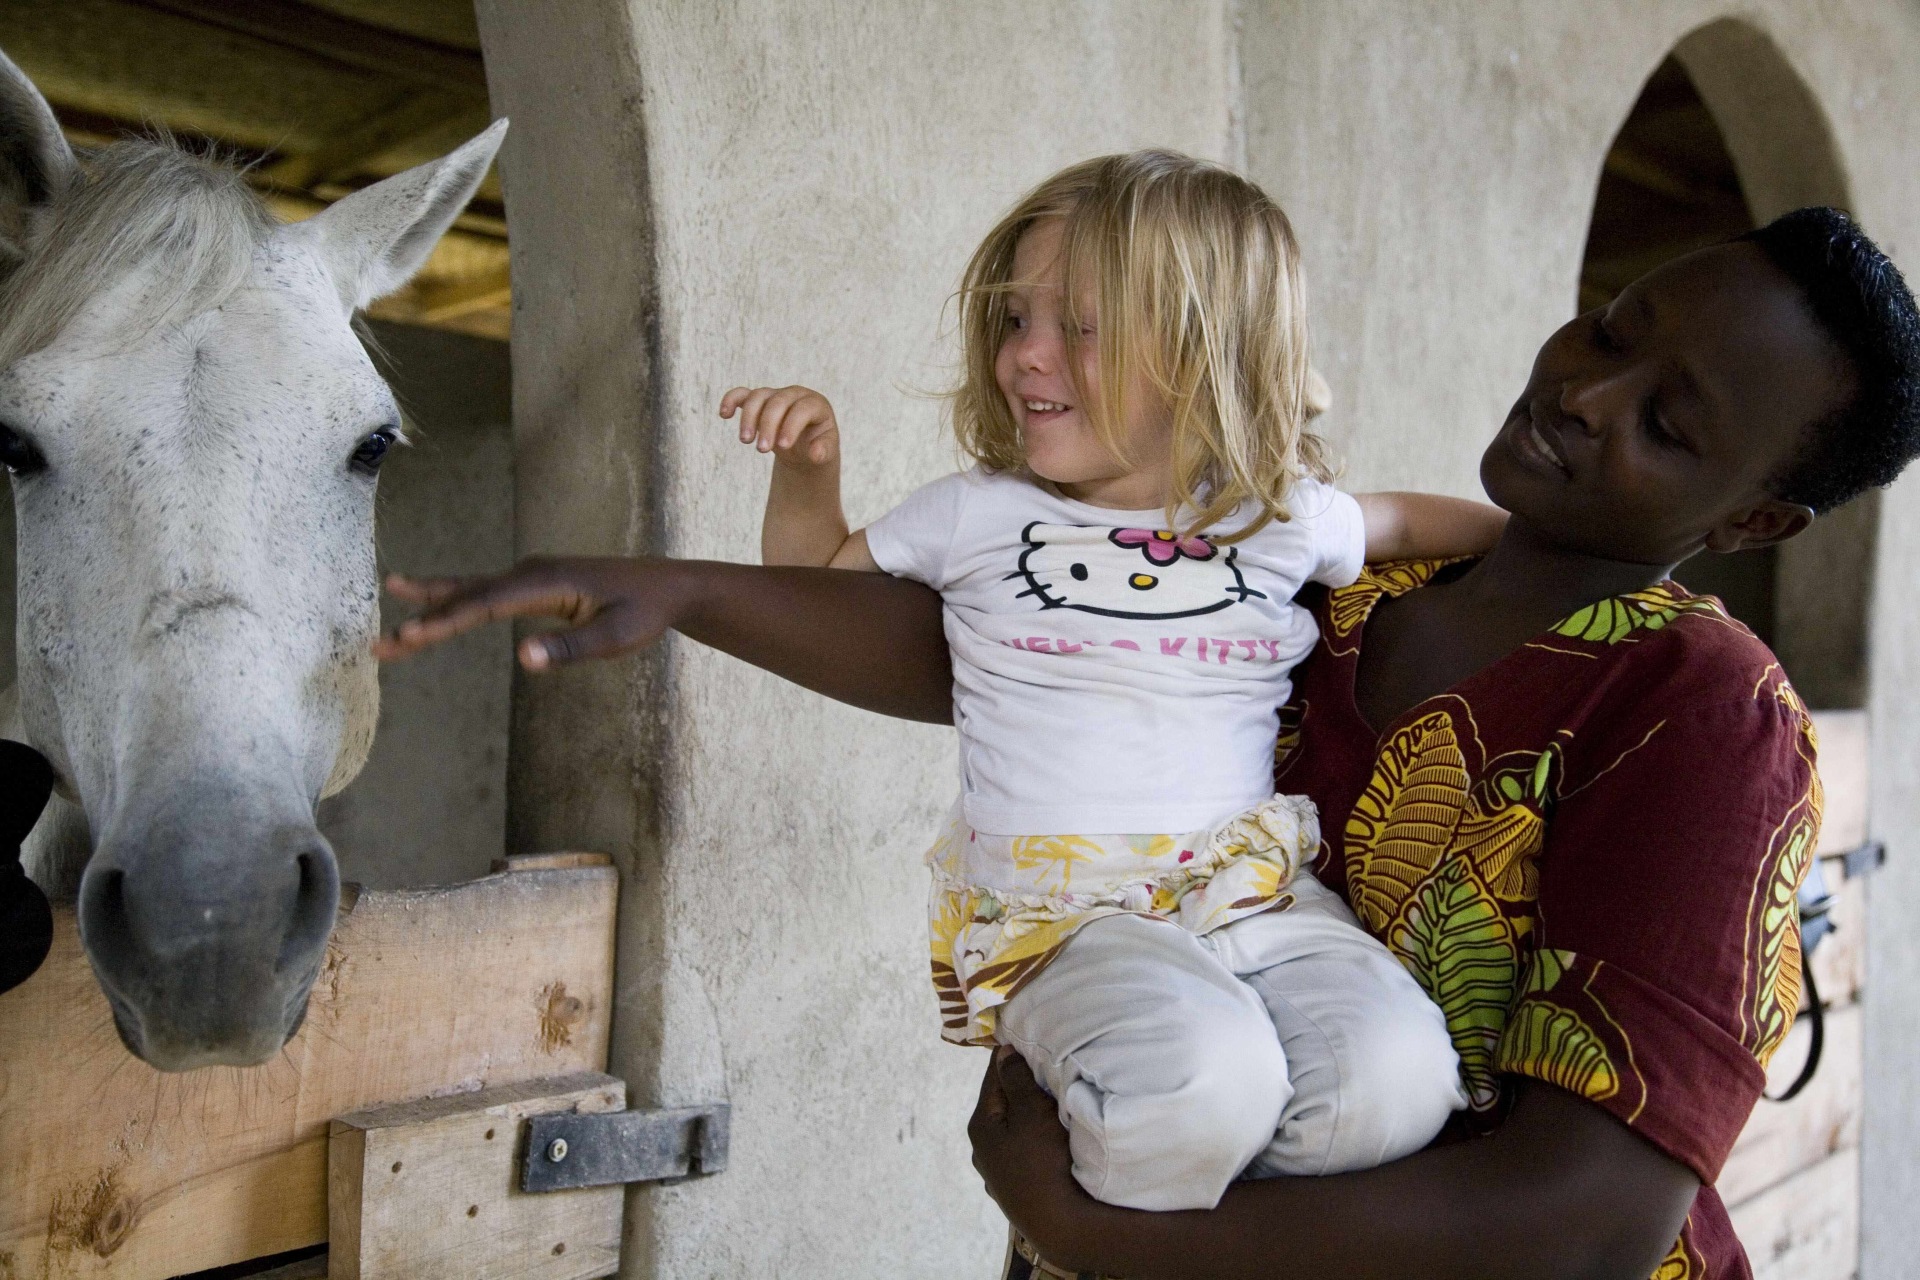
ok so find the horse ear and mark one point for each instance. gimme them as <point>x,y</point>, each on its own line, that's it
<point>375,239</point>
<point>35,160</point>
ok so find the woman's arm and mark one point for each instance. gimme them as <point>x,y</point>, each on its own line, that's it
<point>1562,1190</point>
<point>1426,526</point>
<point>864,638</point>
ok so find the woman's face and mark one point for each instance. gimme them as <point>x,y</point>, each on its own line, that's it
<point>1649,428</point>
<point>1035,376</point>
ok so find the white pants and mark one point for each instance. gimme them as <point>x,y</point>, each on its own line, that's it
<point>1291,1042</point>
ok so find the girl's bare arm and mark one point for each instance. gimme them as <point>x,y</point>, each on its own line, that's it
<point>804,522</point>
<point>1419,526</point>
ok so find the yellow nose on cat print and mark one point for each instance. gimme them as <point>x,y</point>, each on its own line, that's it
<point>1141,581</point>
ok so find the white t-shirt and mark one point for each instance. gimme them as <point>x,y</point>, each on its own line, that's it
<point>1109,677</point>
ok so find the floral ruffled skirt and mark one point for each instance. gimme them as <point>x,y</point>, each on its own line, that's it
<point>1003,906</point>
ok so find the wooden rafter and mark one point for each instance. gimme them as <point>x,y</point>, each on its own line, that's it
<point>420,112</point>
<point>355,44</point>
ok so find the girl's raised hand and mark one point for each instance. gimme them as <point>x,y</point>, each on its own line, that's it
<point>795,424</point>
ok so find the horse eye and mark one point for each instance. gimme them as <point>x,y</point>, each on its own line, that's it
<point>18,454</point>
<point>372,451</point>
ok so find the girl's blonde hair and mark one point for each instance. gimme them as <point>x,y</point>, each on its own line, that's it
<point>1196,282</point>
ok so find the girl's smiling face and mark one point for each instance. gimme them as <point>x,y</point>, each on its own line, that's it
<point>1035,370</point>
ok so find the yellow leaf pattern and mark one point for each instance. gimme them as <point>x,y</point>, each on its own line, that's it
<point>1406,817</point>
<point>1349,606</point>
<point>1455,940</point>
<point>1441,857</point>
<point>1612,620</point>
<point>1550,1042</point>
<point>1054,857</point>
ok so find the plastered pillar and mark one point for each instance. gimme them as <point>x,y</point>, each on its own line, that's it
<point>586,746</point>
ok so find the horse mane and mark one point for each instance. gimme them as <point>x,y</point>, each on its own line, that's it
<point>134,202</point>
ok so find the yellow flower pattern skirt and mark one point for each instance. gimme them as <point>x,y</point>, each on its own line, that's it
<point>1003,906</point>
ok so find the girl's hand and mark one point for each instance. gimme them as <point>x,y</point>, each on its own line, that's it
<point>613,606</point>
<point>795,424</point>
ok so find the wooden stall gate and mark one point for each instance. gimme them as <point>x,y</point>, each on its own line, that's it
<point>442,1020</point>
<point>1793,1181</point>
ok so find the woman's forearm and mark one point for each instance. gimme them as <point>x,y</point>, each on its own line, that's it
<point>863,638</point>
<point>1562,1192</point>
<point>867,639</point>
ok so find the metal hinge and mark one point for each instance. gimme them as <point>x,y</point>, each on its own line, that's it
<point>1868,858</point>
<point>566,1150</point>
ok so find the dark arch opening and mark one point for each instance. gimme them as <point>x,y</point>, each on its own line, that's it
<point>1667,187</point>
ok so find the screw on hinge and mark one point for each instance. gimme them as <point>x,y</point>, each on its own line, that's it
<point>557,1150</point>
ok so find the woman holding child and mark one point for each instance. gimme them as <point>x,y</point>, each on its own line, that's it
<point>1529,872</point>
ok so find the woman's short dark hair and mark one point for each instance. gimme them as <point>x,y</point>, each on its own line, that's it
<point>1859,298</point>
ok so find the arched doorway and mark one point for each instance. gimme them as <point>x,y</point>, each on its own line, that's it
<point>1724,137</point>
<point>1668,186</point>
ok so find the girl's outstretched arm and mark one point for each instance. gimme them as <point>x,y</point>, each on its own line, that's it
<point>868,639</point>
<point>1427,526</point>
<point>1563,1191</point>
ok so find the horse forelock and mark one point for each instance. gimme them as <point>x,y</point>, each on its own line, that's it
<point>136,203</point>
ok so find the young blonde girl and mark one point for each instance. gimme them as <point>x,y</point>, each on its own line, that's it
<point>1118,895</point>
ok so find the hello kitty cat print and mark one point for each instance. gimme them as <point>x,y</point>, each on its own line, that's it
<point>1129,573</point>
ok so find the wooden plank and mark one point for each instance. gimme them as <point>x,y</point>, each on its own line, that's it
<point>1840,961</point>
<point>108,1167</point>
<point>1784,1138</point>
<point>428,1190</point>
<point>550,861</point>
<point>1808,1227</point>
<point>1843,776</point>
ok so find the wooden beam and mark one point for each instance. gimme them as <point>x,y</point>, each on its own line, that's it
<point>1808,1227</point>
<point>355,44</point>
<point>1843,776</point>
<point>1651,174</point>
<point>436,302</point>
<point>1784,1139</point>
<point>419,113</point>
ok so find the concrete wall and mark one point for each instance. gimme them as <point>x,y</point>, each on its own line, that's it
<point>430,806</point>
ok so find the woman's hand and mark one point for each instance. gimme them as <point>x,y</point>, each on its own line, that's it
<point>868,639</point>
<point>795,424</point>
<point>1020,1150</point>
<point>613,606</point>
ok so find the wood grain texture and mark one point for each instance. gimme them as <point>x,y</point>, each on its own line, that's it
<point>109,1168</point>
<point>1843,775</point>
<point>427,1190</point>
<point>1783,1139</point>
<point>1807,1228</point>
<point>1840,961</point>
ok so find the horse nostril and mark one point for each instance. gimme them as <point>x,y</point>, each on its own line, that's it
<point>315,904</point>
<point>104,921</point>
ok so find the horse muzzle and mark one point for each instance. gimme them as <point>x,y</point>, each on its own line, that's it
<point>206,927</point>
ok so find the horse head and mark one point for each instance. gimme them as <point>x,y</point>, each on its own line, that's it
<point>193,430</point>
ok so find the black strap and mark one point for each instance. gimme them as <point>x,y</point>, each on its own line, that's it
<point>1818,1017</point>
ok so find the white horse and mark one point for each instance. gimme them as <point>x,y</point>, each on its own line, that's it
<point>193,431</point>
